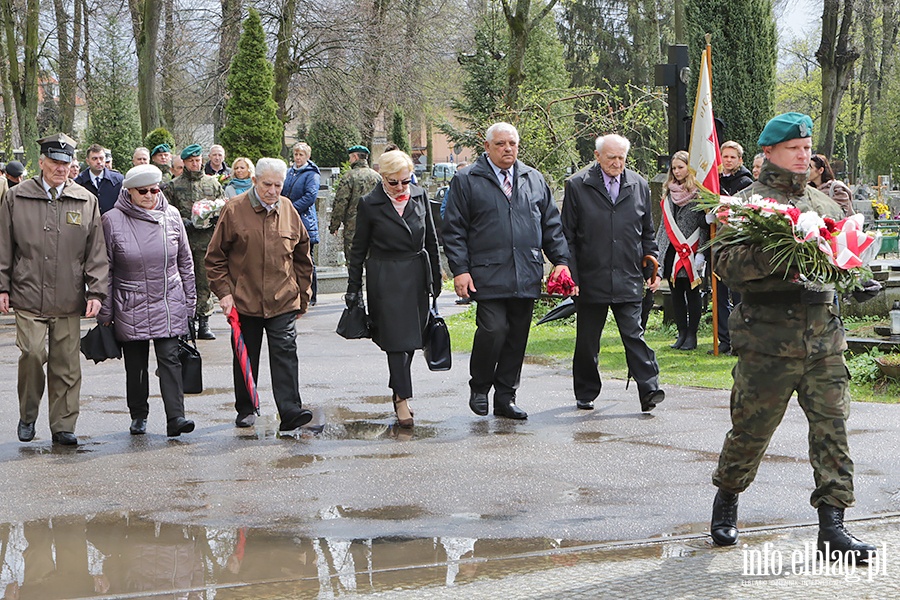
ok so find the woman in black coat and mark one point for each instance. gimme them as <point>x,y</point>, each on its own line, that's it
<point>396,240</point>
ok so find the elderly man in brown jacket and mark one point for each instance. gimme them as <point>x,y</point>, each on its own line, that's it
<point>258,263</point>
<point>53,269</point>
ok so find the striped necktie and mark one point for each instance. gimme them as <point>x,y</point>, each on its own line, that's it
<point>507,184</point>
<point>53,193</point>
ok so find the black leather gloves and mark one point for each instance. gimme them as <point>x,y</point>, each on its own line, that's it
<point>870,289</point>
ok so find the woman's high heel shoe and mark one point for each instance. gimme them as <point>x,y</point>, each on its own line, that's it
<point>403,422</point>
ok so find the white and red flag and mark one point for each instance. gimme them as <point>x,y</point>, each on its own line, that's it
<point>704,149</point>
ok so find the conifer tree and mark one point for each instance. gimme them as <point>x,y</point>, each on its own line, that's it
<point>399,133</point>
<point>745,47</point>
<point>252,127</point>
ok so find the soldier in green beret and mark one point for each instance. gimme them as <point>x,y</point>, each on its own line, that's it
<point>356,183</point>
<point>161,156</point>
<point>788,339</point>
<point>182,192</point>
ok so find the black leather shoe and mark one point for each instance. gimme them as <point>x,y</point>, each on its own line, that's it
<point>724,350</point>
<point>179,425</point>
<point>650,401</point>
<point>585,404</point>
<point>138,426</point>
<point>723,527</point>
<point>835,542</point>
<point>509,410</point>
<point>65,438</point>
<point>26,431</point>
<point>296,421</point>
<point>245,420</point>
<point>478,402</point>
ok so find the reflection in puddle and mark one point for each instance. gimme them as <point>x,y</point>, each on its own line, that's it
<point>121,553</point>
<point>590,437</point>
<point>296,462</point>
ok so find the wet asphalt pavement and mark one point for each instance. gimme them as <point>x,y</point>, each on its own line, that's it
<point>353,485</point>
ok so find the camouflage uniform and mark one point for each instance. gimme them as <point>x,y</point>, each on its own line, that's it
<point>356,183</point>
<point>166,174</point>
<point>785,343</point>
<point>181,193</point>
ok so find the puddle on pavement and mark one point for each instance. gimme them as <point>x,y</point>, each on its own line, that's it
<point>591,437</point>
<point>123,553</point>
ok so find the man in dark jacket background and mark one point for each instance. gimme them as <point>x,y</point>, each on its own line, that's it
<point>609,227</point>
<point>734,177</point>
<point>100,181</point>
<point>499,218</point>
<point>301,187</point>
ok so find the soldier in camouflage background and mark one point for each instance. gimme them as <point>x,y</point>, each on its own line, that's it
<point>787,338</point>
<point>356,183</point>
<point>182,192</point>
<point>161,157</point>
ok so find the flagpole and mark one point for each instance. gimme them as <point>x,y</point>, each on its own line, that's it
<point>712,235</point>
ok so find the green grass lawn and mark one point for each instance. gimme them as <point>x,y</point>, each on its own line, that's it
<point>555,342</point>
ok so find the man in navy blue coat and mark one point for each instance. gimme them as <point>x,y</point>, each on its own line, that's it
<point>501,219</point>
<point>100,181</point>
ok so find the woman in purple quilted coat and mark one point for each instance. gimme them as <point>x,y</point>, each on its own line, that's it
<point>151,293</point>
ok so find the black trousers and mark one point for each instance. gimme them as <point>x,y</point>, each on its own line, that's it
<point>137,381</point>
<point>399,364</point>
<point>315,280</point>
<point>686,305</point>
<point>725,306</point>
<point>283,363</point>
<point>640,358</point>
<point>498,350</point>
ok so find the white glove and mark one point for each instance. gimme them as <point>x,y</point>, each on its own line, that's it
<point>711,217</point>
<point>699,264</point>
<point>699,261</point>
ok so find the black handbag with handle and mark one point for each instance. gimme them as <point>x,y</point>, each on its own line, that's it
<point>354,322</point>
<point>436,341</point>
<point>191,363</point>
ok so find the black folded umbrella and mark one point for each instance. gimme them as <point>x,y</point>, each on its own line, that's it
<point>564,309</point>
<point>100,343</point>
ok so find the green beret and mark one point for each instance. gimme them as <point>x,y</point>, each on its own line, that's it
<point>192,150</point>
<point>788,126</point>
<point>358,149</point>
<point>161,148</point>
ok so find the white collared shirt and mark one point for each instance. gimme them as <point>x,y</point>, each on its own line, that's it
<point>47,186</point>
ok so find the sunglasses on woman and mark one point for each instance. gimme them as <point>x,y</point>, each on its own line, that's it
<point>393,182</point>
<point>143,191</point>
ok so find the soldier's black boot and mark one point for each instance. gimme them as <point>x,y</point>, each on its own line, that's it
<point>690,341</point>
<point>682,333</point>
<point>203,330</point>
<point>723,527</point>
<point>835,542</point>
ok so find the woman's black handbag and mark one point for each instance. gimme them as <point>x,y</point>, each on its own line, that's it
<point>191,364</point>
<point>354,322</point>
<point>436,340</point>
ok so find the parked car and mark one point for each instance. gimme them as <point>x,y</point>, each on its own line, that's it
<point>443,172</point>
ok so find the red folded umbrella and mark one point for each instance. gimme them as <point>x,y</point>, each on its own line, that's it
<point>240,352</point>
<point>561,285</point>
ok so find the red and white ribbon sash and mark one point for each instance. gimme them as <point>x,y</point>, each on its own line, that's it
<point>684,247</point>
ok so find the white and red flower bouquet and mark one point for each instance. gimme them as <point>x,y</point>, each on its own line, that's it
<point>816,250</point>
<point>203,212</point>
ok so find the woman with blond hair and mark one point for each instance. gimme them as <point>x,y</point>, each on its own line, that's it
<point>242,170</point>
<point>396,240</point>
<point>682,231</point>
